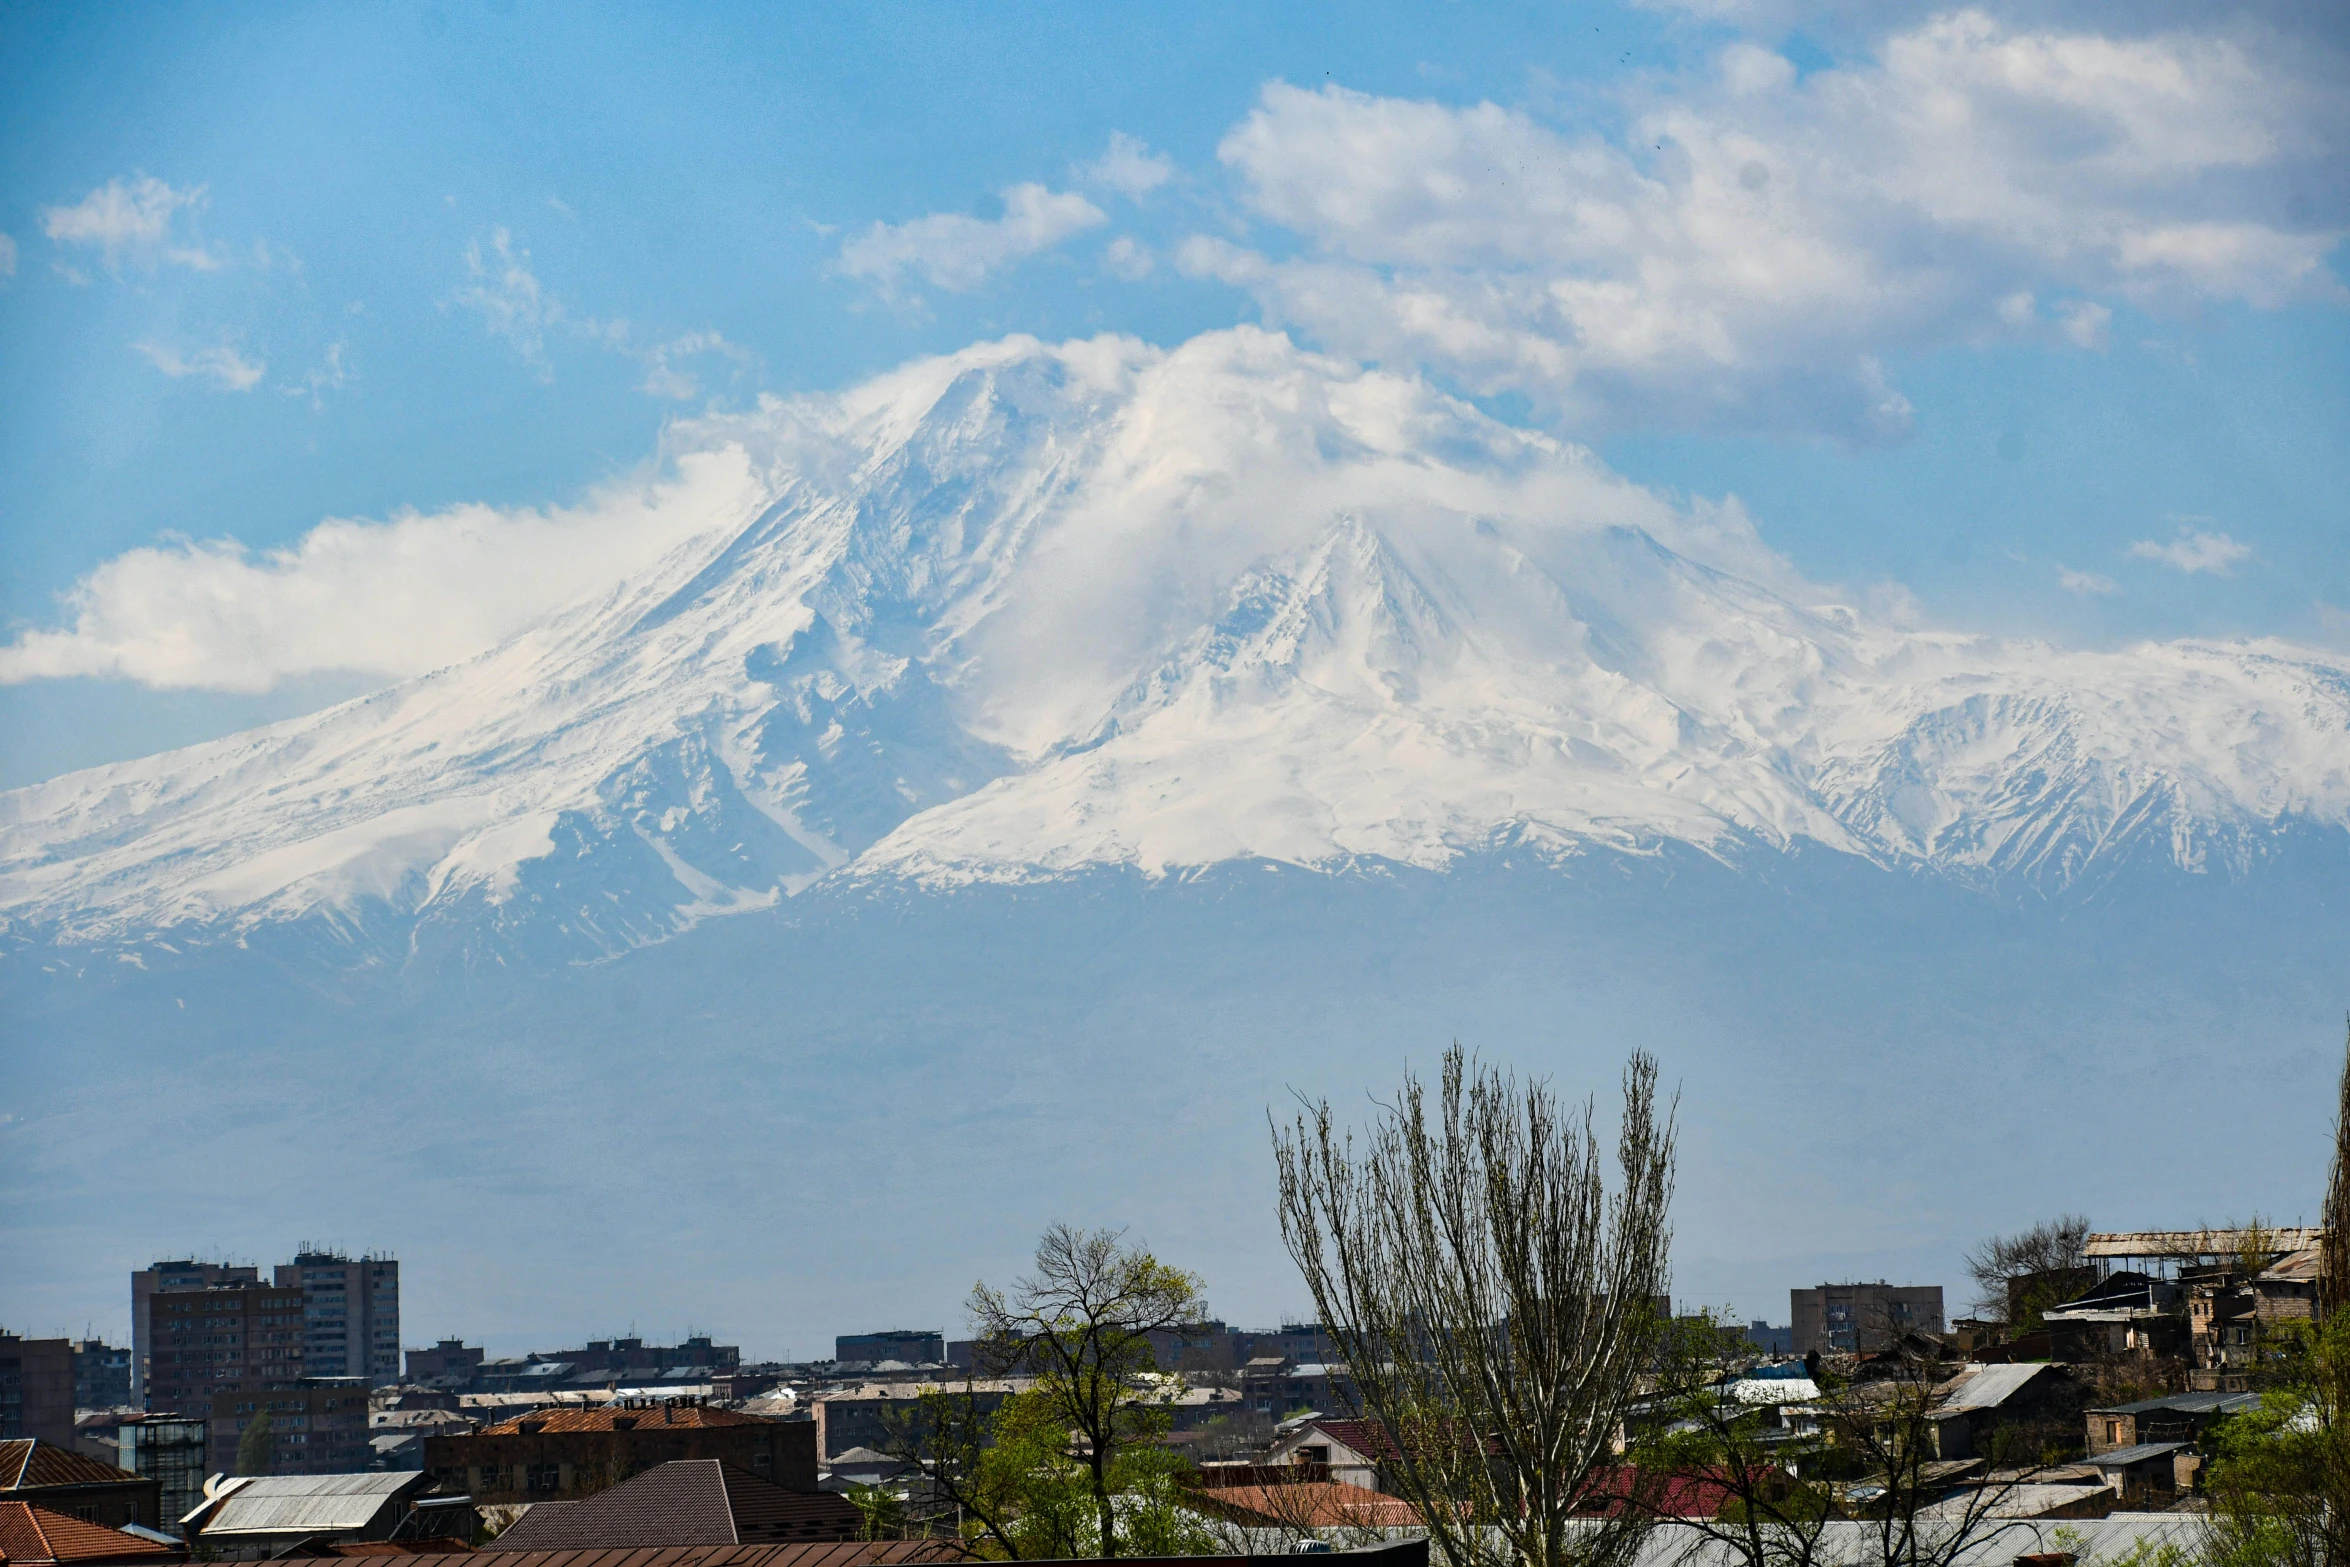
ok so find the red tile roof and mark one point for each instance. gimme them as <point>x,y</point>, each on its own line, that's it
<point>33,1534</point>
<point>694,1501</point>
<point>27,1463</point>
<point>637,1417</point>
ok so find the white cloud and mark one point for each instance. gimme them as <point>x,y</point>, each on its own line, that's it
<point>516,307</point>
<point>1128,258</point>
<point>1129,167</point>
<point>2085,582</point>
<point>512,305</point>
<point>2214,554</point>
<point>957,252</point>
<point>132,221</point>
<point>1737,256</point>
<point>232,371</point>
<point>666,364</point>
<point>7,256</point>
<point>329,375</point>
<point>388,598</point>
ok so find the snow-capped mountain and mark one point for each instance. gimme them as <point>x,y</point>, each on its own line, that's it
<point>1028,610</point>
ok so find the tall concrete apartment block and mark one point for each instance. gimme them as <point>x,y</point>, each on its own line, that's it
<point>36,1389</point>
<point>1859,1319</point>
<point>350,1314</point>
<point>149,1282</point>
<point>231,1338</point>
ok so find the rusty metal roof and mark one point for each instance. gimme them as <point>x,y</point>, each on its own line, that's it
<point>2198,1243</point>
<point>636,1417</point>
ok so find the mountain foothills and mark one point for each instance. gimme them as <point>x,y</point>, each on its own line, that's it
<point>1029,612</point>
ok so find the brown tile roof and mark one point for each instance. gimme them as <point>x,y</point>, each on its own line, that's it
<point>638,1417</point>
<point>27,1463</point>
<point>34,1534</point>
<point>843,1553</point>
<point>693,1501</point>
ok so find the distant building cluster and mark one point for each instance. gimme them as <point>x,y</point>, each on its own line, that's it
<point>261,1417</point>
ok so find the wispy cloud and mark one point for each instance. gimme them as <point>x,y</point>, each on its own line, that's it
<point>667,365</point>
<point>2088,583</point>
<point>328,375</point>
<point>133,220</point>
<point>1128,166</point>
<point>958,252</point>
<point>506,292</point>
<point>2195,551</point>
<point>517,308</point>
<point>229,370</point>
<point>7,257</point>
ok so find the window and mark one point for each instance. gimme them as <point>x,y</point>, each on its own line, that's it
<point>545,1477</point>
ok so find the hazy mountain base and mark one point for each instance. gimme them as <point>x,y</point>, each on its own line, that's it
<point>790,1122</point>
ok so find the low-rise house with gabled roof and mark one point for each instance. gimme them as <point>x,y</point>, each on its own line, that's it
<point>689,1502</point>
<point>76,1484</point>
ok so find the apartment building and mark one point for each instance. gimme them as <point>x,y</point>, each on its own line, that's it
<point>317,1426</point>
<point>350,1313</point>
<point>1859,1319</point>
<point>36,1389</point>
<point>229,1338</point>
<point>149,1282</point>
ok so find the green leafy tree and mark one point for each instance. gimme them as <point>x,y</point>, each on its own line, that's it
<point>1081,1323</point>
<point>2280,1474</point>
<point>881,1513</point>
<point>257,1446</point>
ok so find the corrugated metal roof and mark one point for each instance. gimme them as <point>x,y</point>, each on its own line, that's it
<point>306,1504</point>
<point>2196,1243</point>
<point>1991,1386</point>
<point>2186,1404</point>
<point>2123,1457</point>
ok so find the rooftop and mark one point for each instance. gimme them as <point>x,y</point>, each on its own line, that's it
<point>2187,1404</point>
<point>33,1534</point>
<point>295,1505</point>
<point>27,1463</point>
<point>2123,1457</point>
<point>693,1501</point>
<point>622,1417</point>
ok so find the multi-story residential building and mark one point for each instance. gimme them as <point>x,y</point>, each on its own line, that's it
<point>231,1338</point>
<point>350,1313</point>
<point>36,1389</point>
<point>101,1375</point>
<point>148,1282</point>
<point>317,1426</point>
<point>1858,1319</point>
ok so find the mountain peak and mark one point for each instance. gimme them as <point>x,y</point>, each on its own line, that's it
<point>1032,609</point>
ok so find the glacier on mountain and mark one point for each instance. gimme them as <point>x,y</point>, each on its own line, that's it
<point>1028,610</point>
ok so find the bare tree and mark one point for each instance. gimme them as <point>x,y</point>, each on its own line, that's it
<point>1082,1322</point>
<point>1494,1299</point>
<point>2054,1246</point>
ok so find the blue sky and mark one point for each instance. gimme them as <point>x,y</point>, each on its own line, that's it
<point>2026,320</point>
